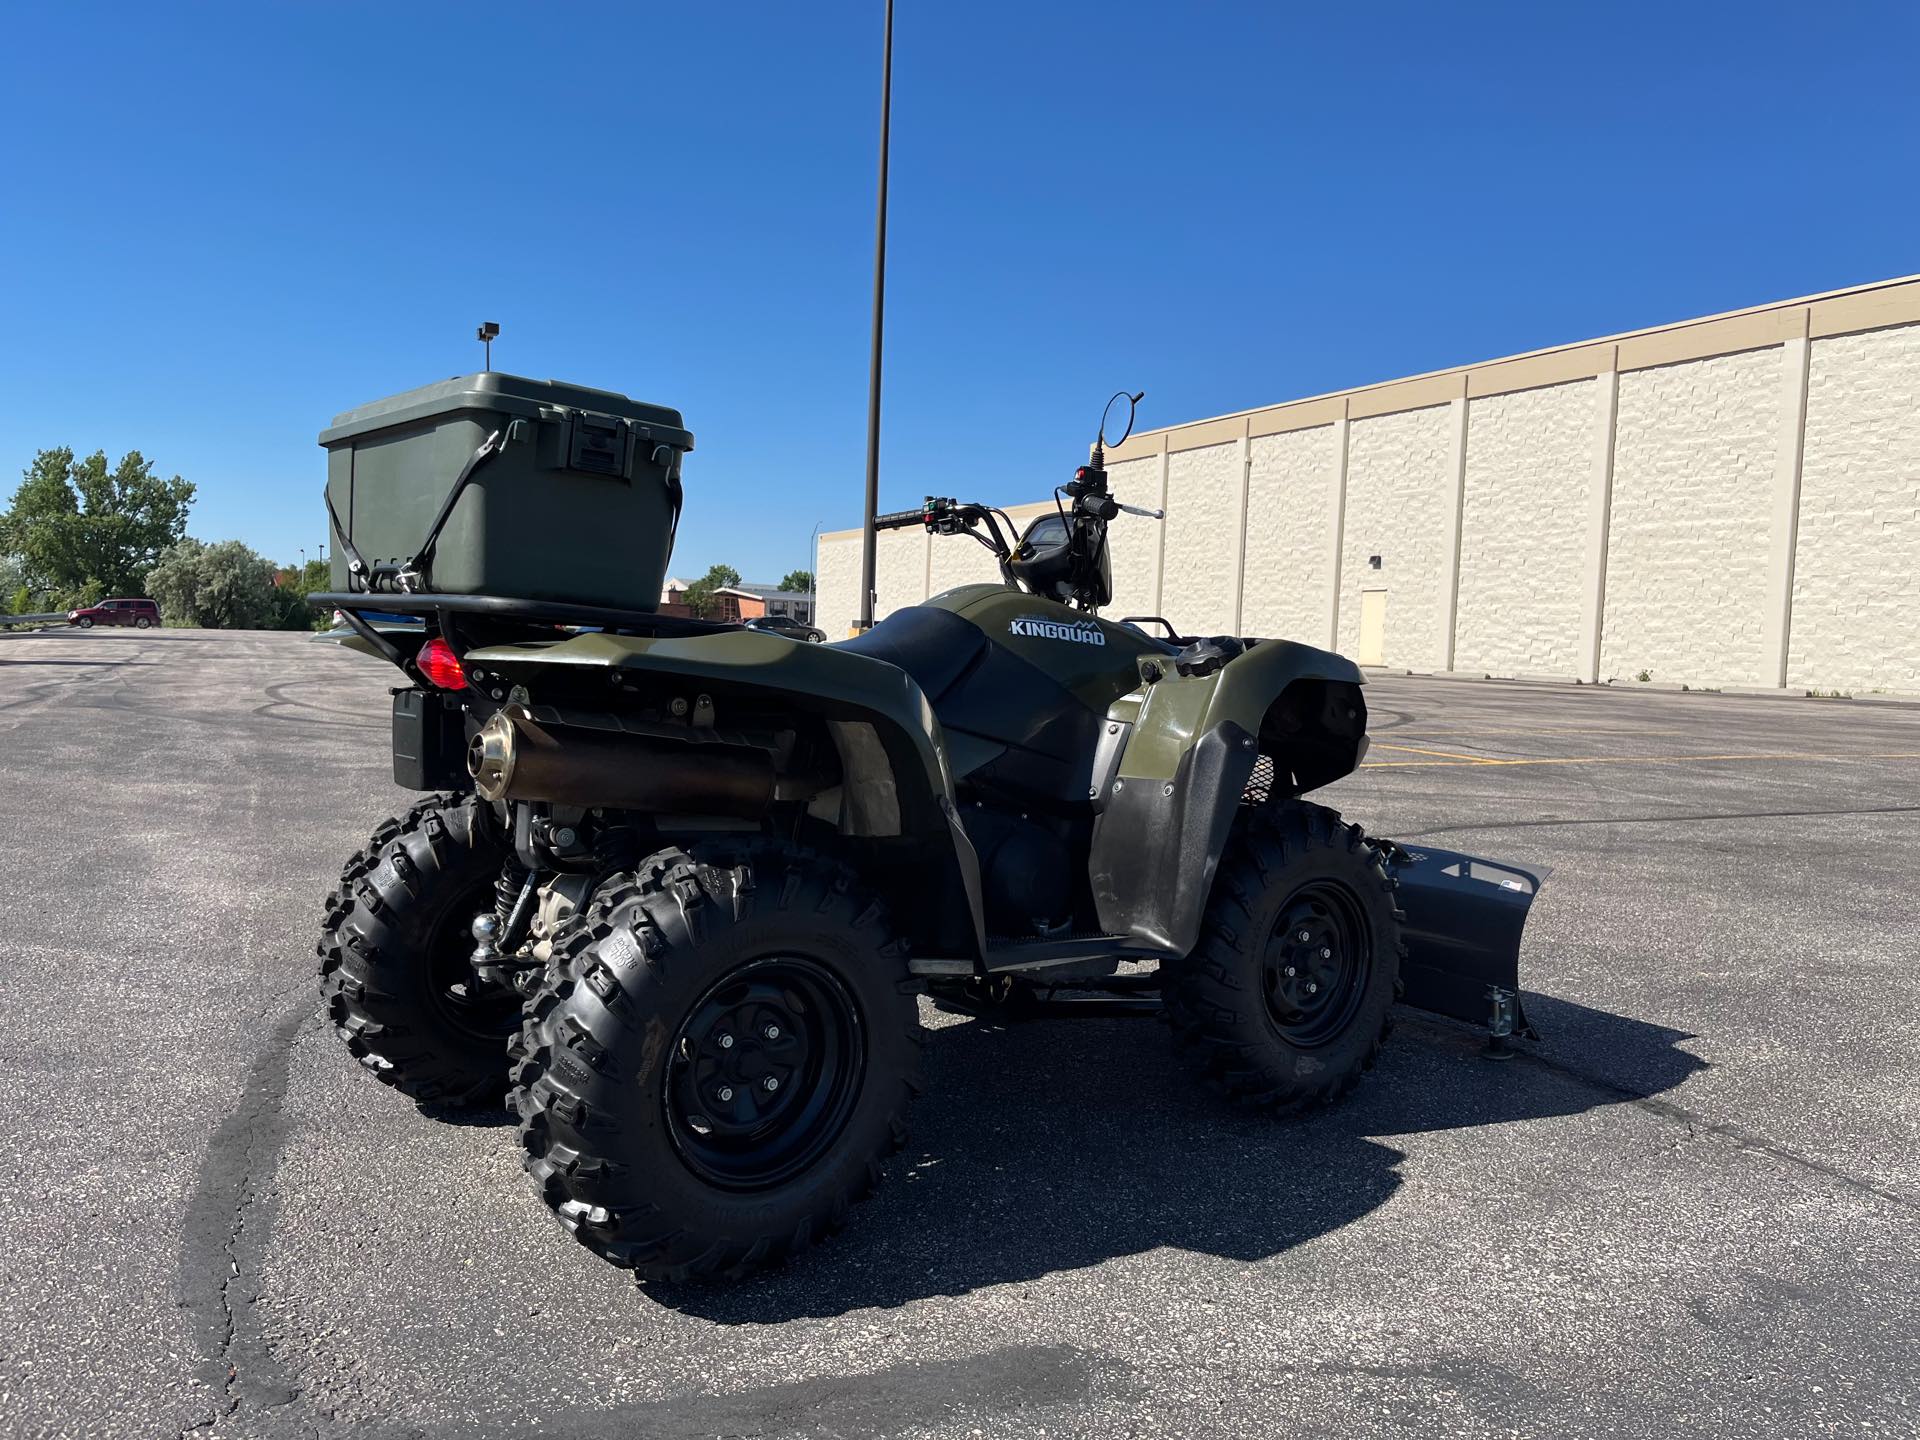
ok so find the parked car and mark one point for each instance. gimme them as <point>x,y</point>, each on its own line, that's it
<point>141,613</point>
<point>788,626</point>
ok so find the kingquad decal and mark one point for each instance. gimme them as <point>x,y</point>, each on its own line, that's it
<point>1038,627</point>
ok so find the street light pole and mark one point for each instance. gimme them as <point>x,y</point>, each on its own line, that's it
<point>867,536</point>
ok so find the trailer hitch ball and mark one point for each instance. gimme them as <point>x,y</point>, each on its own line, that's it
<point>486,936</point>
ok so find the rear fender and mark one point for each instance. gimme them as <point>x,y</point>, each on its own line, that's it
<point>1174,763</point>
<point>897,774</point>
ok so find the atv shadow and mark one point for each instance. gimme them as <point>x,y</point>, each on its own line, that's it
<point>1053,1146</point>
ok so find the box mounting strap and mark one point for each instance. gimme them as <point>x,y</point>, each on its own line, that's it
<point>415,569</point>
<point>408,578</point>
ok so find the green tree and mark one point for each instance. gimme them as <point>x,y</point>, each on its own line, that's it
<point>227,586</point>
<point>78,525</point>
<point>700,593</point>
<point>13,583</point>
<point>799,581</point>
<point>296,583</point>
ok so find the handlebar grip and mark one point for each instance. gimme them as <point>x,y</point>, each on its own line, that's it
<point>899,519</point>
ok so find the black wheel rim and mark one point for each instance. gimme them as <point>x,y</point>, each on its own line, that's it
<point>763,1073</point>
<point>1319,959</point>
<point>462,1001</point>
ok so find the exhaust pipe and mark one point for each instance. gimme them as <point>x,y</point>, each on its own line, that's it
<point>513,758</point>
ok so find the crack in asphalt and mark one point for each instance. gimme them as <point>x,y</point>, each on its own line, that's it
<point>224,1237</point>
<point>1738,1135</point>
<point>1657,819</point>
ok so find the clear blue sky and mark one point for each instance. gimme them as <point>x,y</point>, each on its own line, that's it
<point>221,224</point>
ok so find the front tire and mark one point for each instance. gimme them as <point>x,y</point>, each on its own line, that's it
<point>724,1050</point>
<point>1286,998</point>
<point>85,622</point>
<point>393,955</point>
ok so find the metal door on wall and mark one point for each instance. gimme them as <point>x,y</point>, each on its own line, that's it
<point>1373,628</point>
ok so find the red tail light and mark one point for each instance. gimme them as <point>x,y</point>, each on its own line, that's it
<point>440,665</point>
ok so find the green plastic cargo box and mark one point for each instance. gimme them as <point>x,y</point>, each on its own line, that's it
<point>558,492</point>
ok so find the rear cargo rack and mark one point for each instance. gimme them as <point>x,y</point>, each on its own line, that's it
<point>428,605</point>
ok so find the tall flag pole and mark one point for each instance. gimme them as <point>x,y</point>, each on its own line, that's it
<point>879,311</point>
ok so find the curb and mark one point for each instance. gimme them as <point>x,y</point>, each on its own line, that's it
<point>1658,687</point>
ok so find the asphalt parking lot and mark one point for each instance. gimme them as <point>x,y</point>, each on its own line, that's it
<point>1692,1207</point>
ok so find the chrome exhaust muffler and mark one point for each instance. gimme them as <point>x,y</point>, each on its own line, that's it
<point>515,758</point>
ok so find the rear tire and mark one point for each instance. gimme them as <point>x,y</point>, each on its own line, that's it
<point>143,623</point>
<point>640,1074</point>
<point>1286,998</point>
<point>393,955</point>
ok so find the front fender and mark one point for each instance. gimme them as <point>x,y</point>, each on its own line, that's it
<point>1175,762</point>
<point>844,689</point>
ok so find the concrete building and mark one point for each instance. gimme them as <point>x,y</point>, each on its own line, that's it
<point>1727,501</point>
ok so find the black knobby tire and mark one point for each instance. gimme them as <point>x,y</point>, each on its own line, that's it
<point>1287,997</point>
<point>393,955</point>
<point>618,1066</point>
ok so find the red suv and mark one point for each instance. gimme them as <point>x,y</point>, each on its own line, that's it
<point>143,613</point>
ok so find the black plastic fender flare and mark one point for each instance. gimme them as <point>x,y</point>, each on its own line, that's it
<point>1157,843</point>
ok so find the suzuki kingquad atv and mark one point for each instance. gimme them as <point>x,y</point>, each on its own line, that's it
<point>684,882</point>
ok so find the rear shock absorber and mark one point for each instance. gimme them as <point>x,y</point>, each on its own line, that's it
<point>507,887</point>
<point>498,934</point>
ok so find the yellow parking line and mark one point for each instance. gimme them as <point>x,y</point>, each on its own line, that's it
<point>1634,759</point>
<point>1416,750</point>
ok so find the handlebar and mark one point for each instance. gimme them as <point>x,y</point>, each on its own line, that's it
<point>899,519</point>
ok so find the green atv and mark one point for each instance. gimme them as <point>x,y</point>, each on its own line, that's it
<point>677,887</point>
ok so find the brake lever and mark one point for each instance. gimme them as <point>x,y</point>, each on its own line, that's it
<point>1142,511</point>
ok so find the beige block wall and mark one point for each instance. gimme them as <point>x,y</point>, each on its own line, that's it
<point>1134,542</point>
<point>1398,491</point>
<point>1856,579</point>
<point>954,560</point>
<point>1523,530</point>
<point>900,560</point>
<point>1198,586</point>
<point>1693,470</point>
<point>1720,503</point>
<point>1286,590</point>
<point>837,601</point>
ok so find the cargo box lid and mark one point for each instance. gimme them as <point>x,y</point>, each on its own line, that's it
<point>506,394</point>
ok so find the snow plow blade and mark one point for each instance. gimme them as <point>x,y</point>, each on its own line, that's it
<point>1464,918</point>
